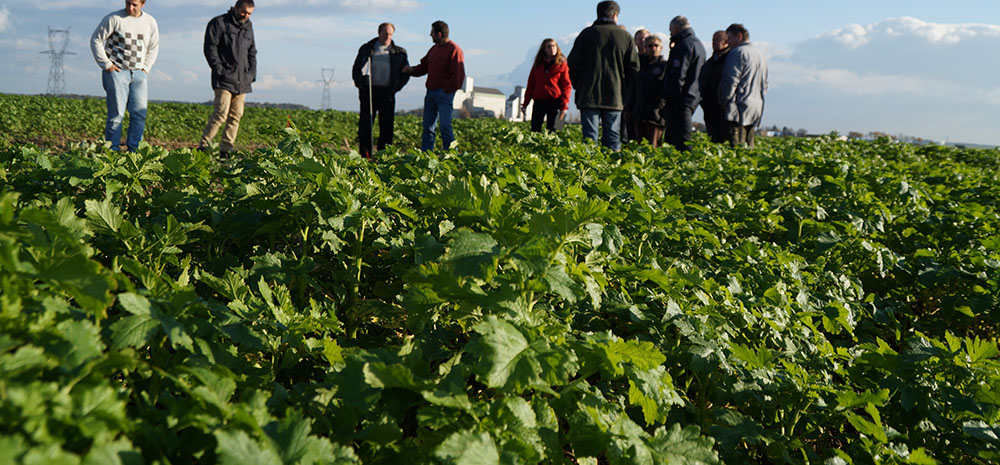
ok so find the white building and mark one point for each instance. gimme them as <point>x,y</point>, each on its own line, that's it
<point>514,102</point>
<point>479,101</point>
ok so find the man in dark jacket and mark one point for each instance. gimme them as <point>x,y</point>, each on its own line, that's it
<point>680,87</point>
<point>602,61</point>
<point>711,76</point>
<point>378,75</point>
<point>232,54</point>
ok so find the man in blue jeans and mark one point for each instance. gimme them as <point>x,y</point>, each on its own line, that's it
<point>125,45</point>
<point>602,61</point>
<point>444,66</point>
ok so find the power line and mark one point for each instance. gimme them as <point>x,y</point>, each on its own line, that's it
<point>328,82</point>
<point>58,40</point>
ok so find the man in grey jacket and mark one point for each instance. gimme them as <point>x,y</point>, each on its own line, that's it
<point>743,86</point>
<point>232,54</point>
<point>602,62</point>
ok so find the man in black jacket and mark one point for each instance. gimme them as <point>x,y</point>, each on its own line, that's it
<point>232,54</point>
<point>680,87</point>
<point>711,77</point>
<point>602,62</point>
<point>378,75</point>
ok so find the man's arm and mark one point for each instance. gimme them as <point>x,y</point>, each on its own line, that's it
<point>456,65</point>
<point>212,34</point>
<point>252,56</point>
<point>420,69</point>
<point>104,30</point>
<point>575,62</point>
<point>403,77</point>
<point>359,64</point>
<point>730,77</point>
<point>152,46</point>
<point>690,71</point>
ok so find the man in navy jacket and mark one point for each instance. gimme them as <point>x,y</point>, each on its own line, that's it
<point>680,86</point>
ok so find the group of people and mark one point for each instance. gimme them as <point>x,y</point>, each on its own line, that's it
<point>623,83</point>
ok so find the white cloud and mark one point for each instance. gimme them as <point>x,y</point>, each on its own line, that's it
<point>4,18</point>
<point>285,81</point>
<point>160,76</point>
<point>475,52</point>
<point>856,35</point>
<point>190,77</point>
<point>865,84</point>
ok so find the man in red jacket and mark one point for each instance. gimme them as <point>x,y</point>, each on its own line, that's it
<point>444,66</point>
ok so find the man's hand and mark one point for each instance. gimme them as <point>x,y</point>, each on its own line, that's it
<point>113,68</point>
<point>407,70</point>
<point>562,114</point>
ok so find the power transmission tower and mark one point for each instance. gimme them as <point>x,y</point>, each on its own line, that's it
<point>58,40</point>
<point>327,85</point>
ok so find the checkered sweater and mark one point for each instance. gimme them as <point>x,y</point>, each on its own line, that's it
<point>128,42</point>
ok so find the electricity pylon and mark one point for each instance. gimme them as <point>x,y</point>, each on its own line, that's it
<point>327,81</point>
<point>58,40</point>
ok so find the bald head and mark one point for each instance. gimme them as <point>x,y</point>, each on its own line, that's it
<point>719,43</point>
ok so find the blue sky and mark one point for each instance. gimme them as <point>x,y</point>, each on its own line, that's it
<point>923,68</point>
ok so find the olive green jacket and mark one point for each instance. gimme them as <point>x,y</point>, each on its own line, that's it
<point>602,62</point>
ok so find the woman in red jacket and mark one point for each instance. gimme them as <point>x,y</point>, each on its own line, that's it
<point>549,86</point>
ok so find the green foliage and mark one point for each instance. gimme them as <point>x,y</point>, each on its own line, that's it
<point>525,299</point>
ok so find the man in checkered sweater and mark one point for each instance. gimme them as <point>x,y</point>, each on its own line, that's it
<point>125,45</point>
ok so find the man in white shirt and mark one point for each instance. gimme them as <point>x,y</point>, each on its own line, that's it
<point>125,45</point>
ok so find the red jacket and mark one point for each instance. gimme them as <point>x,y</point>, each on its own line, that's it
<point>551,84</point>
<point>444,66</point>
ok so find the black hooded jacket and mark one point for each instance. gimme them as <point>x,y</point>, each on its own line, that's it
<point>231,53</point>
<point>397,61</point>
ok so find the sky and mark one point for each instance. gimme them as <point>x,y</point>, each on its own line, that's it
<point>913,67</point>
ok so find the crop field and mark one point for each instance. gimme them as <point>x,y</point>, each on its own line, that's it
<point>526,299</point>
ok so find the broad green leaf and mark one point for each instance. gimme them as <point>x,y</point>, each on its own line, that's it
<point>468,448</point>
<point>134,331</point>
<point>104,216</point>
<point>505,358</point>
<point>686,446</point>
<point>134,303</point>
<point>847,400</point>
<point>83,279</point>
<point>83,341</point>
<point>238,448</point>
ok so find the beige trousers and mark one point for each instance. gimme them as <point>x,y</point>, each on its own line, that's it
<point>229,110</point>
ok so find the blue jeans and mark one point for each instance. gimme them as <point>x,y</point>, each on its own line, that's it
<point>438,106</point>
<point>611,121</point>
<point>127,91</point>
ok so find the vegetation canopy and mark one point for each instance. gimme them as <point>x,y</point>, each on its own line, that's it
<point>527,299</point>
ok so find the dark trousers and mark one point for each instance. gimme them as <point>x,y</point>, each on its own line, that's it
<point>715,125</point>
<point>383,104</point>
<point>678,126</point>
<point>651,133</point>
<point>547,110</point>
<point>738,135</point>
